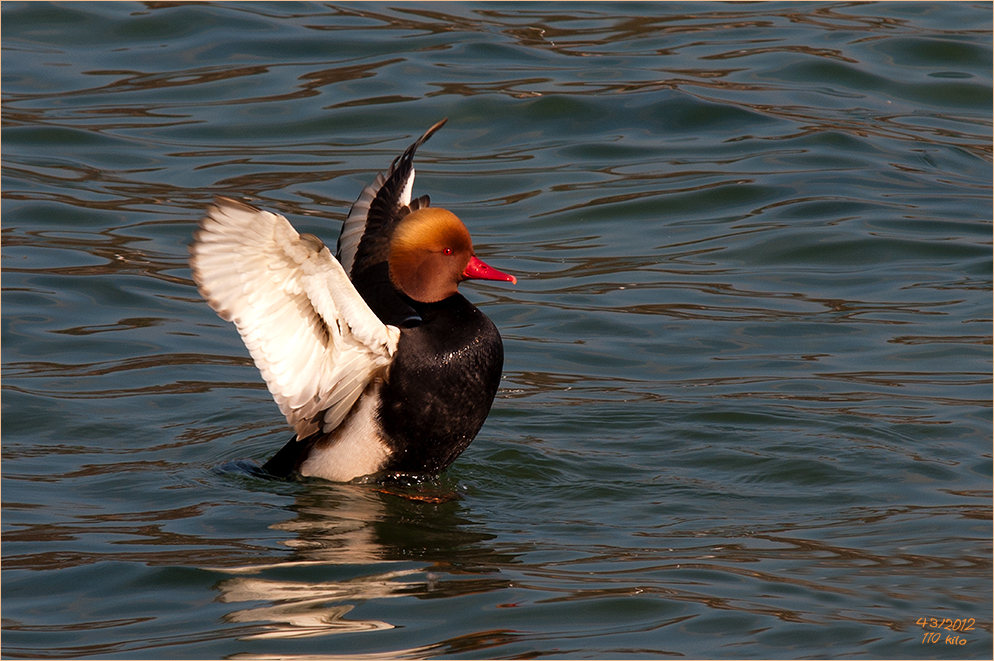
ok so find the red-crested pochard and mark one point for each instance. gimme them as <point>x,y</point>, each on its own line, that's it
<point>376,360</point>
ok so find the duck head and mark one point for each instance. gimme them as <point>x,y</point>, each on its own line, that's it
<point>431,252</point>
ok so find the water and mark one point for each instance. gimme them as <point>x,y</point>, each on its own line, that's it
<point>746,408</point>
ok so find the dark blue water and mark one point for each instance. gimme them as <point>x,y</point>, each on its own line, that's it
<point>746,406</point>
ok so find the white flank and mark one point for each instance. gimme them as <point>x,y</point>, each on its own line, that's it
<point>354,449</point>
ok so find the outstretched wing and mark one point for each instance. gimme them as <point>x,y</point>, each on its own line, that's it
<point>366,233</point>
<point>309,332</point>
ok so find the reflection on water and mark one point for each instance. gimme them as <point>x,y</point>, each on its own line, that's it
<point>360,527</point>
<point>305,609</point>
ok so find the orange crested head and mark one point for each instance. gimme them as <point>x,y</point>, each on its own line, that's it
<point>431,252</point>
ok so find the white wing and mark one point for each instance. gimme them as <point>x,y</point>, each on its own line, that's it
<point>309,332</point>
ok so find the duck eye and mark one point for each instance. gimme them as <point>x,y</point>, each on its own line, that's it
<point>447,251</point>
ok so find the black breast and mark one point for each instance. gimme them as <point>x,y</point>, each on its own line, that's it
<point>440,386</point>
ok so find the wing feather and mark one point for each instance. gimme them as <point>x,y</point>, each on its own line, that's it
<point>313,338</point>
<point>380,205</point>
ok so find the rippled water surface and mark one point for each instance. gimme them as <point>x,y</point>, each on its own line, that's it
<point>746,407</point>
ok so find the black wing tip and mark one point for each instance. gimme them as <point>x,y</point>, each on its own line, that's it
<point>431,131</point>
<point>408,155</point>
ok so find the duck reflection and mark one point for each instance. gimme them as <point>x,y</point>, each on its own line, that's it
<point>349,543</point>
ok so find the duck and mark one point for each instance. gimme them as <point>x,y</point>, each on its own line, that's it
<point>378,363</point>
